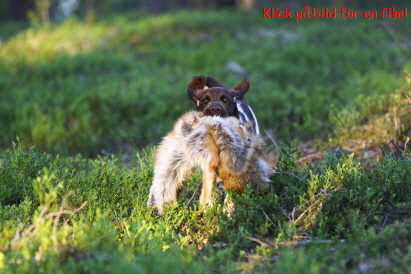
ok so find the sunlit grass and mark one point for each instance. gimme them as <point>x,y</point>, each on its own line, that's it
<point>113,78</point>
<point>43,44</point>
<point>116,85</point>
<point>73,214</point>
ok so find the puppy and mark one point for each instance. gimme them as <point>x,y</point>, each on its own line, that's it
<point>213,138</point>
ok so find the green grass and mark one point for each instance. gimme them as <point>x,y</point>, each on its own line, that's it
<point>115,86</point>
<point>82,87</point>
<point>76,214</point>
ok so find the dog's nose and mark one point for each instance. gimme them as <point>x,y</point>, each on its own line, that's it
<point>215,110</point>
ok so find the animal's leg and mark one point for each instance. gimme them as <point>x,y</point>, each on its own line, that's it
<point>169,173</point>
<point>228,205</point>
<point>209,166</point>
<point>207,181</point>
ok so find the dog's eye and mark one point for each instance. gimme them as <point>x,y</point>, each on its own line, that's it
<point>224,99</point>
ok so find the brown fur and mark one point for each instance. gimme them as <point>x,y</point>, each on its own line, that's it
<point>225,150</point>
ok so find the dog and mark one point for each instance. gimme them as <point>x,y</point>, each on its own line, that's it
<point>218,137</point>
<point>202,89</point>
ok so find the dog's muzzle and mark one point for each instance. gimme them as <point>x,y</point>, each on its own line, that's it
<point>216,110</point>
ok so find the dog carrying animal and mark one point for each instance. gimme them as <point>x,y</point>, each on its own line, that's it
<point>219,137</point>
<point>241,110</point>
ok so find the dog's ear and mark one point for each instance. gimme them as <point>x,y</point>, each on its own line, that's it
<point>196,87</point>
<point>241,89</point>
<point>212,83</point>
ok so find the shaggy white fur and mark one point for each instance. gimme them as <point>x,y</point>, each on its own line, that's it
<point>225,150</point>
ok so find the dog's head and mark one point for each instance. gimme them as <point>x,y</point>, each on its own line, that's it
<point>215,99</point>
